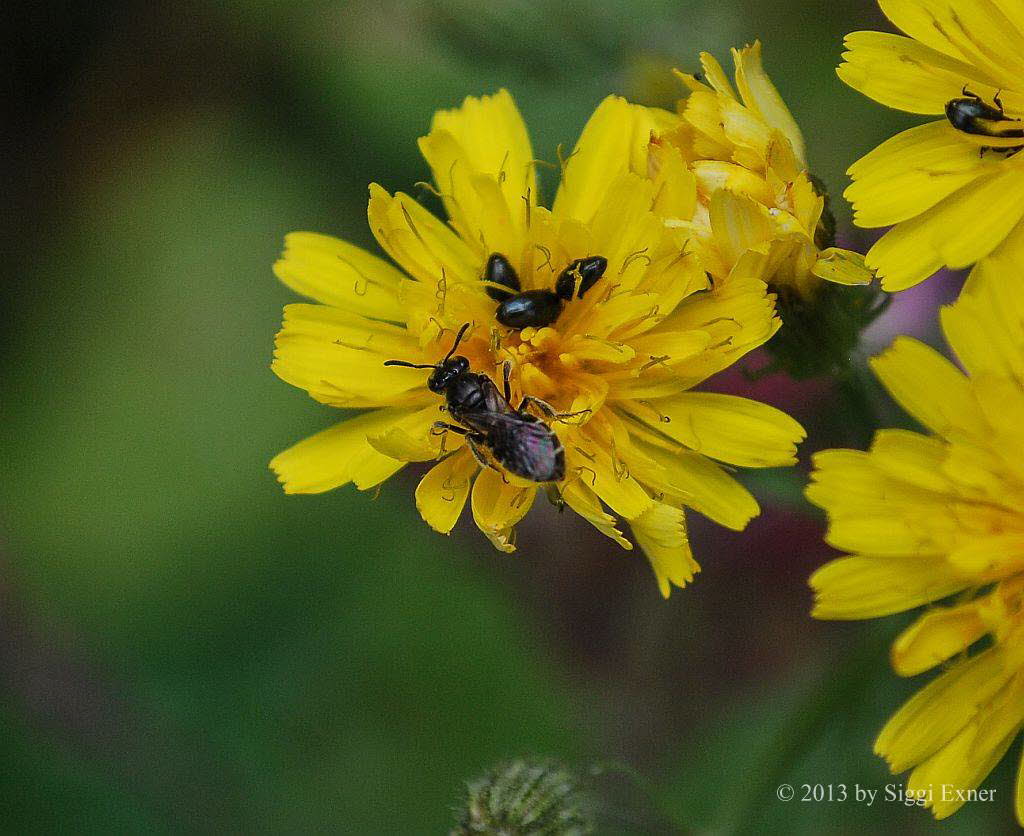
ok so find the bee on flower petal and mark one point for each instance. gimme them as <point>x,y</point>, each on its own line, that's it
<point>540,307</point>
<point>972,115</point>
<point>951,190</point>
<point>592,306</point>
<point>517,440</point>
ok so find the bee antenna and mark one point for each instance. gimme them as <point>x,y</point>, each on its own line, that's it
<point>455,345</point>
<point>408,365</point>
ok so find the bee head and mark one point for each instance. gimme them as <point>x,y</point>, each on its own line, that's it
<point>446,371</point>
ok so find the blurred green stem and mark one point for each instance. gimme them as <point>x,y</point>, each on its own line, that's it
<point>857,393</point>
<point>667,821</point>
<point>828,697</point>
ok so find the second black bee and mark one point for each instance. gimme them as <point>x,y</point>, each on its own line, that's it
<point>520,309</point>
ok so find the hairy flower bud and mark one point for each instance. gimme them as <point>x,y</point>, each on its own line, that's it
<point>526,797</point>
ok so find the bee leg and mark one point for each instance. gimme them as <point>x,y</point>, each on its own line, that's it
<point>542,406</point>
<point>475,442</point>
<point>563,416</point>
<point>999,104</point>
<point>440,427</point>
<point>506,372</point>
<point>548,411</point>
<point>555,496</point>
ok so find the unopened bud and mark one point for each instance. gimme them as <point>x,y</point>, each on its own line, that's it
<point>540,798</point>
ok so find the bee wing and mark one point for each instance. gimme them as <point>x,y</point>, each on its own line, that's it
<point>495,402</point>
<point>527,447</point>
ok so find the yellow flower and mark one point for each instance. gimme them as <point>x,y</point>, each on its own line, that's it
<point>739,174</point>
<point>954,194</point>
<point>621,359</point>
<point>937,516</point>
<point>739,186</point>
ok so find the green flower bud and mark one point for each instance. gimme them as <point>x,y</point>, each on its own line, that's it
<point>540,798</point>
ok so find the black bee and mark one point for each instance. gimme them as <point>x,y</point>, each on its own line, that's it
<point>538,308</point>
<point>972,115</point>
<point>518,441</point>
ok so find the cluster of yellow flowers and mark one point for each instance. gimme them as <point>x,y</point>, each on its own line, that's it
<point>519,347</point>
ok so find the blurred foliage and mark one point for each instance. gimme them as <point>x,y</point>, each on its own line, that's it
<point>186,649</point>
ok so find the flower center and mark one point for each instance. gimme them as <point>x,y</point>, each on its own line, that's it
<point>542,365</point>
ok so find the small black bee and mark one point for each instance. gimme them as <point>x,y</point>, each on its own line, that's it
<point>518,441</point>
<point>974,116</point>
<point>538,308</point>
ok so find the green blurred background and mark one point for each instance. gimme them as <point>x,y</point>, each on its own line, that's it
<point>185,649</point>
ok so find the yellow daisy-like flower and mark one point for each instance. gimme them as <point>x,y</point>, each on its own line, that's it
<point>953,188</point>
<point>616,364</point>
<point>742,192</point>
<point>940,517</point>
<point>739,176</point>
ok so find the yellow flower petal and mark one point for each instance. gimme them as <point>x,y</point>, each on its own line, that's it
<point>339,357</point>
<point>1018,805</point>
<point>624,228</point>
<point>738,316</point>
<point>899,258</point>
<point>498,506</point>
<point>713,175</point>
<point>754,140</point>
<point>338,273</point>
<point>912,458</point>
<point>985,37</point>
<point>671,347</point>
<point>910,173</point>
<point>731,429</point>
<point>936,636</point>
<point>868,587</point>
<point>842,267</point>
<point>442,492</point>
<point>739,223</point>
<point>918,18</point>
<point>858,488</point>
<point>675,185</point>
<point>986,328</point>
<point>480,145</point>
<point>340,455</point>
<point>760,95</point>
<point>960,230</point>
<point>423,246</point>
<point>661,533</point>
<point>715,75</point>
<point>696,481</point>
<point>493,140</point>
<point>586,503</point>
<point>990,557</point>
<point>613,142</point>
<point>966,760</point>
<point>937,713</point>
<point>927,386</point>
<point>703,112</point>
<point>611,480</point>
<point>903,73</point>
<point>418,444</point>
